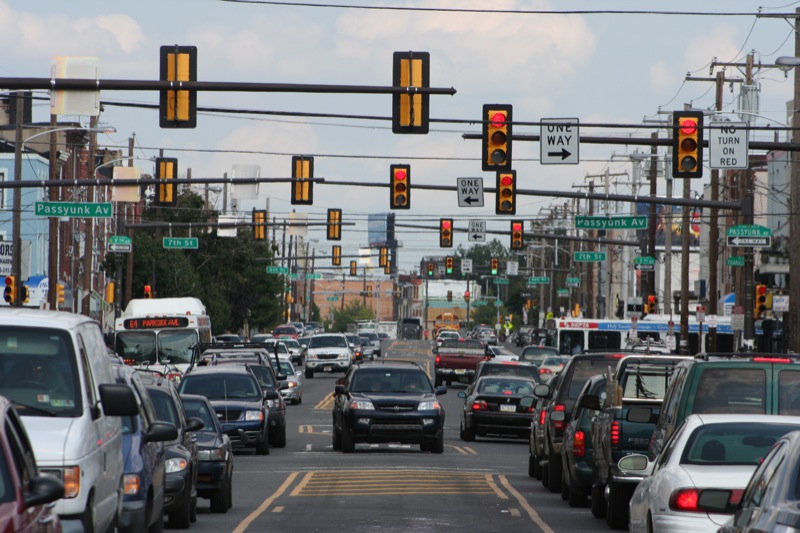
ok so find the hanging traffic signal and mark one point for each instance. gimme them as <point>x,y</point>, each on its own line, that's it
<point>178,109</point>
<point>60,293</point>
<point>383,256</point>
<point>651,303</point>
<point>760,303</point>
<point>687,144</point>
<point>445,233</point>
<point>336,255</point>
<point>496,137</point>
<point>302,180</point>
<point>111,289</point>
<point>506,196</point>
<point>24,293</point>
<point>466,296</point>
<point>387,268</point>
<point>259,225</point>
<point>516,235</point>
<point>430,269</point>
<point>334,224</point>
<point>448,265</point>
<point>10,292</point>
<point>400,178</point>
<point>148,292</point>
<point>410,108</point>
<point>449,296</point>
<point>166,170</point>
<point>495,266</point>
<point>353,268</point>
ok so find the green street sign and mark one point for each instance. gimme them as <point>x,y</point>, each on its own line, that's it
<point>333,298</point>
<point>120,239</point>
<point>749,230</point>
<point>181,243</point>
<point>735,261</point>
<point>573,282</point>
<point>539,280</point>
<point>632,222</point>
<point>293,275</point>
<point>277,270</point>
<point>563,293</point>
<point>119,244</point>
<point>500,281</point>
<point>74,209</point>
<point>644,260</point>
<point>589,257</point>
<point>309,275</point>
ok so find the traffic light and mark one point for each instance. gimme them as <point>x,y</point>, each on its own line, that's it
<point>466,296</point>
<point>651,303</point>
<point>449,296</point>
<point>445,232</point>
<point>60,290</point>
<point>448,263</point>
<point>687,144</point>
<point>410,108</point>
<point>334,224</point>
<point>166,170</point>
<point>353,268</point>
<point>430,269</point>
<point>259,225</point>
<point>110,292</point>
<point>336,255</point>
<point>10,292</point>
<point>148,292</point>
<point>516,234</point>
<point>178,109</point>
<point>495,266</point>
<point>760,302</point>
<point>383,256</point>
<point>506,196</point>
<point>400,179</point>
<point>302,176</point>
<point>24,295</point>
<point>496,137</point>
<point>387,268</point>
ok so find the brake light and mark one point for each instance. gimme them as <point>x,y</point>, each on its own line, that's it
<point>542,417</point>
<point>615,433</point>
<point>559,425</point>
<point>480,405</point>
<point>174,377</point>
<point>437,360</point>
<point>771,360</point>
<point>545,371</point>
<point>684,500</point>
<point>615,356</point>
<point>579,444</point>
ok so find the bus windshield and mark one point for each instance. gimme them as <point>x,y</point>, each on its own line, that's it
<point>139,347</point>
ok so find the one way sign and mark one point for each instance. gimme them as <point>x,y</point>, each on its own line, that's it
<point>559,141</point>
<point>470,192</point>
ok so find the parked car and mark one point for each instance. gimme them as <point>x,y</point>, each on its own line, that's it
<point>238,400</point>
<point>55,368</point>
<point>293,391</point>
<point>387,402</point>
<point>705,452</point>
<point>491,407</point>
<point>28,496</point>
<point>180,502</point>
<point>327,352</point>
<point>144,457</point>
<point>214,453</point>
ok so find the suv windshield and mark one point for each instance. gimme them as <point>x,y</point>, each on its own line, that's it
<point>327,341</point>
<point>218,386</point>
<point>409,381</point>
<point>284,330</point>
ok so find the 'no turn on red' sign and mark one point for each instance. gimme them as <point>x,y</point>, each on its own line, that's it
<point>727,145</point>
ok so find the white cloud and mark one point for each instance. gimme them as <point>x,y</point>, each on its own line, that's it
<point>662,80</point>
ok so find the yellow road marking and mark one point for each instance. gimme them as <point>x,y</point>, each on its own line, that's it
<point>534,516</point>
<point>389,482</point>
<point>326,402</point>
<point>278,509</point>
<point>514,511</point>
<point>243,525</point>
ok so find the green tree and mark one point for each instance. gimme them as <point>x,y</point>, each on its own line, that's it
<point>353,311</point>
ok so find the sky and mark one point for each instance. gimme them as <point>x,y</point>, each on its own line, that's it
<point>624,66</point>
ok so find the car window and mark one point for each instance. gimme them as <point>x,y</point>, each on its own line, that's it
<point>396,381</point>
<point>165,407</point>
<point>789,391</point>
<point>221,386</point>
<point>463,344</point>
<point>327,341</point>
<point>741,443</point>
<point>264,376</point>
<point>198,409</point>
<point>504,387</point>
<point>285,330</point>
<point>726,389</point>
<point>286,368</point>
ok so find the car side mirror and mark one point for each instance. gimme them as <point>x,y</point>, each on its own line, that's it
<point>441,389</point>
<point>43,490</point>
<point>194,424</point>
<point>634,463</point>
<point>161,432</point>
<point>558,416</point>
<point>283,385</point>
<point>589,401</point>
<point>272,395</point>
<point>527,402</point>
<point>541,390</point>
<point>340,389</point>
<point>462,394</point>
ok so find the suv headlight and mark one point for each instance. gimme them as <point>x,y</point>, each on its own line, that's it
<point>364,405</point>
<point>176,464</point>
<point>217,454</point>
<point>432,405</point>
<point>251,416</point>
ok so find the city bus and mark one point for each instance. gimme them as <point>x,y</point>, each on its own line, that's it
<point>159,333</point>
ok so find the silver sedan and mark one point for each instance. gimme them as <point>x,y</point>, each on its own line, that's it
<point>294,378</point>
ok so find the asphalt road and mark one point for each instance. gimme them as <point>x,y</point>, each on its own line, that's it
<point>480,486</point>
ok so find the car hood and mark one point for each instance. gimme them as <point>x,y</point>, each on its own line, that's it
<point>333,349</point>
<point>240,404</point>
<point>389,399</point>
<point>207,440</point>
<point>49,435</point>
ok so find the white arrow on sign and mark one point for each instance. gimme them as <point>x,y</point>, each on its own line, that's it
<point>470,192</point>
<point>762,242</point>
<point>477,230</point>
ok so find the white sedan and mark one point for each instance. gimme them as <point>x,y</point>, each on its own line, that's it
<point>719,451</point>
<point>447,334</point>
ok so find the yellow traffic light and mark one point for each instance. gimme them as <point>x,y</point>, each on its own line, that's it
<point>259,225</point>
<point>336,255</point>
<point>687,144</point>
<point>60,289</point>
<point>448,263</point>
<point>495,266</point>
<point>302,184</point>
<point>400,178</point>
<point>445,232</point>
<point>760,302</point>
<point>10,292</point>
<point>496,137</point>
<point>24,295</point>
<point>178,109</point>
<point>410,108</point>
<point>387,268</point>
<point>383,256</point>
<point>110,291</point>
<point>334,224</point>
<point>166,170</point>
<point>353,268</point>
<point>506,196</point>
<point>516,235</point>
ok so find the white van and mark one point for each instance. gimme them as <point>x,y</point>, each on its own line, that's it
<point>55,368</point>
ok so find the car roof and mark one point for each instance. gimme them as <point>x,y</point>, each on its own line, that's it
<point>29,317</point>
<point>387,365</point>
<point>505,376</point>
<point>218,369</point>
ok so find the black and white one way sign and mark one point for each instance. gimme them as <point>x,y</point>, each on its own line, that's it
<point>559,141</point>
<point>470,192</point>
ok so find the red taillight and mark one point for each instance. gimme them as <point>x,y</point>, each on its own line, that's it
<point>175,377</point>
<point>615,433</point>
<point>579,444</point>
<point>480,405</point>
<point>438,360</point>
<point>559,425</point>
<point>545,371</point>
<point>771,360</point>
<point>542,417</point>
<point>684,500</point>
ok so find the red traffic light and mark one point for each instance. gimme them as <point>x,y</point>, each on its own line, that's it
<point>466,293</point>
<point>688,126</point>
<point>400,175</point>
<point>445,224</point>
<point>651,299</point>
<point>761,289</point>
<point>516,226</point>
<point>9,280</point>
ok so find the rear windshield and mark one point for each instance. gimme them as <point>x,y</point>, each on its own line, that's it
<point>285,330</point>
<point>731,390</point>
<point>741,443</point>
<point>462,344</point>
<point>525,371</point>
<point>536,354</point>
<point>506,387</point>
<point>580,371</point>
<point>221,386</point>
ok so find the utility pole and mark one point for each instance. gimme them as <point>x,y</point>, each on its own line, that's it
<point>16,250</point>
<point>793,327</point>
<point>88,235</point>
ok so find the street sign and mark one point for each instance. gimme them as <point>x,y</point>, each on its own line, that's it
<point>727,145</point>
<point>500,281</point>
<point>512,268</point>
<point>181,243</point>
<point>277,270</point>
<point>735,261</point>
<point>644,263</point>
<point>632,222</point>
<point>559,141</point>
<point>466,266</point>
<point>293,275</point>
<point>780,303</point>
<point>310,275</point>
<point>589,257</point>
<point>700,313</point>
<point>749,235</point>
<point>470,192</point>
<point>74,209</point>
<point>332,298</point>
<point>119,244</point>
<point>573,282</point>
<point>737,318</point>
<point>562,293</point>
<point>539,280</point>
<point>477,230</point>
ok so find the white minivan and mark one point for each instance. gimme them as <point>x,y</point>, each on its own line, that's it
<point>55,368</point>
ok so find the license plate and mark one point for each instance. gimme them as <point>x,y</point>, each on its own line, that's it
<point>508,408</point>
<point>461,370</point>
<point>328,369</point>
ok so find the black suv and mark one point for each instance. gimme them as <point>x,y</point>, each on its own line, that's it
<point>180,501</point>
<point>387,402</point>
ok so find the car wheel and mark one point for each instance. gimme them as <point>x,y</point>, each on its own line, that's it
<point>575,498</point>
<point>437,446</point>
<point>554,473</point>
<point>617,506</point>
<point>564,482</point>
<point>87,517</point>
<point>531,466</point>
<point>348,444</point>
<point>262,448</point>
<point>193,510</point>
<point>467,434</point>
<point>546,474</point>
<point>598,501</point>
<point>309,373</point>
<point>278,438</point>
<point>157,526</point>
<point>230,489</point>
<point>182,518</point>
<point>219,499</point>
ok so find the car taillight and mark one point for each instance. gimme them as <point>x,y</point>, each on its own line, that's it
<point>615,433</point>
<point>542,417</point>
<point>771,360</point>
<point>559,425</point>
<point>437,360</point>
<point>480,405</point>
<point>579,444</point>
<point>684,500</point>
<point>545,371</point>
